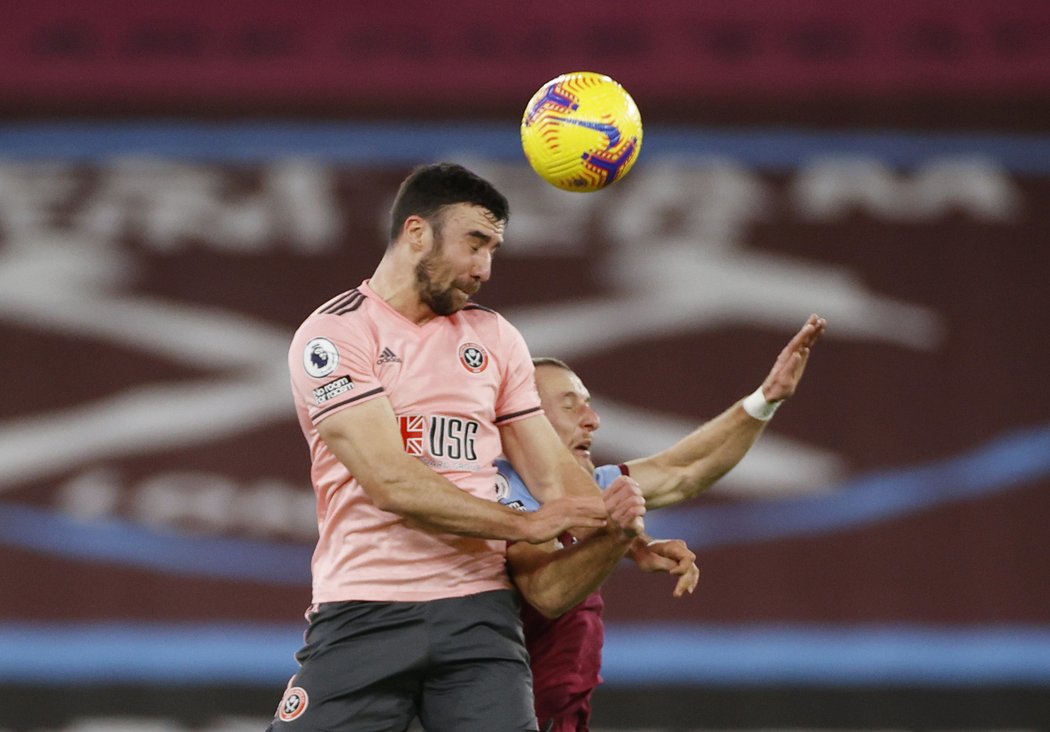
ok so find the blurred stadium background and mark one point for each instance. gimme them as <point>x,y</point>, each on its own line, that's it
<point>180,183</point>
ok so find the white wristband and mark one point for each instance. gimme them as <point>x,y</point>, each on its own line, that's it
<point>756,405</point>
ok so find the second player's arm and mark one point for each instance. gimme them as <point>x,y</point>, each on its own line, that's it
<point>554,581</point>
<point>709,452</point>
<point>695,462</point>
<point>367,440</point>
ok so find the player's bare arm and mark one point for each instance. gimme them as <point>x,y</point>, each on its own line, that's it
<point>367,440</point>
<point>694,463</point>
<point>555,580</point>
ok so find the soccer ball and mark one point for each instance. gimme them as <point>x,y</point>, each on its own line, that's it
<point>581,131</point>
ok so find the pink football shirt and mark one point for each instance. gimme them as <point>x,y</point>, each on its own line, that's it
<point>451,382</point>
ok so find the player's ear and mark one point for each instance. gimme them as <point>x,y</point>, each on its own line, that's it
<point>415,232</point>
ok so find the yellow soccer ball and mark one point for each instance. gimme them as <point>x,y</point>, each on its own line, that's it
<point>581,131</point>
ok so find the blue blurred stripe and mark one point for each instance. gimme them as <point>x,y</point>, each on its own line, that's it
<point>828,656</point>
<point>1010,461</point>
<point>835,656</point>
<point>148,653</point>
<point>1007,462</point>
<point>133,545</point>
<point>403,143</point>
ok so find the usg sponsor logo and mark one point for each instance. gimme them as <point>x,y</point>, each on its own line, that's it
<point>439,436</point>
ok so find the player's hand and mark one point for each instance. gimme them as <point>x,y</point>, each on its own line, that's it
<point>556,517</point>
<point>672,556</point>
<point>787,371</point>
<point>626,506</point>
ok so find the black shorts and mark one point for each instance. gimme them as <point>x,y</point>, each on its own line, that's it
<point>459,664</point>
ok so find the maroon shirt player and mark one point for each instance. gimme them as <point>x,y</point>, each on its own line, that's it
<point>564,630</point>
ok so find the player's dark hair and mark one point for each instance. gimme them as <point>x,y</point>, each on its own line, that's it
<point>429,188</point>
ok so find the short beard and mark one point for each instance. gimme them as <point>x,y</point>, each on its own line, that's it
<point>440,301</point>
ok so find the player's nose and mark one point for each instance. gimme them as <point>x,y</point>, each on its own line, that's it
<point>589,419</point>
<point>481,267</point>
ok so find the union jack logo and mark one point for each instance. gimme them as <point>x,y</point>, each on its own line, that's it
<point>412,428</point>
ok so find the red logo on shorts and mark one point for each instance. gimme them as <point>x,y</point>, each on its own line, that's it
<point>293,704</point>
<point>473,357</point>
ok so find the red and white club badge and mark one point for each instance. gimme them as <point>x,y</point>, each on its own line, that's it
<point>473,357</point>
<point>293,704</point>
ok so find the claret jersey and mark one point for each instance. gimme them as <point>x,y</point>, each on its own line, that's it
<point>452,382</point>
<point>565,653</point>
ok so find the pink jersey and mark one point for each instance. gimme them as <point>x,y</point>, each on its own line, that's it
<point>451,383</point>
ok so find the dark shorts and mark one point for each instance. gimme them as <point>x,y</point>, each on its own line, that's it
<point>459,664</point>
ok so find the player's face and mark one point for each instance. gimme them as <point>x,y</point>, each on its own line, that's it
<point>567,404</point>
<point>463,240</point>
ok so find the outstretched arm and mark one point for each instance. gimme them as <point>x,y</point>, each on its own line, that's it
<point>555,580</point>
<point>702,457</point>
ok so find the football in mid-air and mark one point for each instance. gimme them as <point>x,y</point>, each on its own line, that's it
<point>581,131</point>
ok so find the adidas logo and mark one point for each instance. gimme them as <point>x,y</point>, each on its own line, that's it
<point>388,356</point>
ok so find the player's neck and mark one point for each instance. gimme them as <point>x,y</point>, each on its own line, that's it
<point>395,283</point>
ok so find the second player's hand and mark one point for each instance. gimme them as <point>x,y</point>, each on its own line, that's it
<point>786,373</point>
<point>672,556</point>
